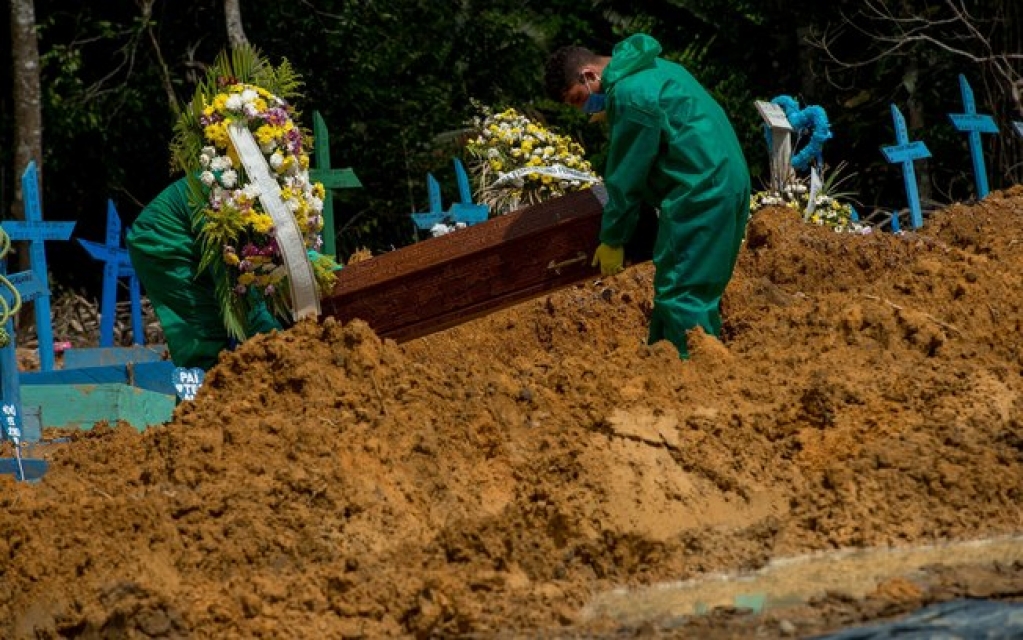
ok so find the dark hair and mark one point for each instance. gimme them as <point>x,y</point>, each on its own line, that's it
<point>562,70</point>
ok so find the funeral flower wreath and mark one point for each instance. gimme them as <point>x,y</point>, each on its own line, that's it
<point>237,235</point>
<point>517,162</point>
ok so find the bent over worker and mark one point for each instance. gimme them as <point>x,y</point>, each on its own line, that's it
<point>672,147</point>
<point>165,252</point>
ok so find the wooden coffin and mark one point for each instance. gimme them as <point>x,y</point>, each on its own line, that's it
<point>444,281</point>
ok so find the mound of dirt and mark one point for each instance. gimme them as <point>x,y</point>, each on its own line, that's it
<point>495,477</point>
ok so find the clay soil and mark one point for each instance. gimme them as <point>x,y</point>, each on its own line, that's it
<point>493,480</point>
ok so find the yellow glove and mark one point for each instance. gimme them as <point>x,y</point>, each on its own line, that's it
<point>611,259</point>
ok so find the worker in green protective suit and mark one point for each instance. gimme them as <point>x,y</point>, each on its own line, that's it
<point>673,148</point>
<point>165,254</point>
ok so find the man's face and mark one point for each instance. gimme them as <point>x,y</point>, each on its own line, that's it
<point>578,93</point>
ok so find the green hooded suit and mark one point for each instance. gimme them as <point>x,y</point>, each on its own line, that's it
<point>673,148</point>
<point>165,252</point>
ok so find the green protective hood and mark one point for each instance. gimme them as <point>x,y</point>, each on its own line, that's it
<point>636,52</point>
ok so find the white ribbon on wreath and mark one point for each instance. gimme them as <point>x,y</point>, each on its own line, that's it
<point>556,171</point>
<point>304,300</point>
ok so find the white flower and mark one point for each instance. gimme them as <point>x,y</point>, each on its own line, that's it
<point>268,148</point>
<point>276,160</point>
<point>251,191</point>
<point>493,153</point>
<point>229,178</point>
<point>316,204</point>
<point>250,110</point>
<point>249,95</point>
<point>234,102</point>
<point>207,178</point>
<point>220,163</point>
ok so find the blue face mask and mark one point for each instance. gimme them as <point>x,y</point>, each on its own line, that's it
<point>595,103</point>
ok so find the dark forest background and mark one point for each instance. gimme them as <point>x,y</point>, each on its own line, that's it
<point>394,81</point>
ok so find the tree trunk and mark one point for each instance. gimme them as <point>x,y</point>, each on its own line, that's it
<point>807,78</point>
<point>28,118</point>
<point>915,121</point>
<point>28,114</point>
<point>235,30</point>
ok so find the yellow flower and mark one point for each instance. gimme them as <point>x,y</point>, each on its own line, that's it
<point>266,134</point>
<point>233,154</point>
<point>216,133</point>
<point>247,278</point>
<point>262,223</point>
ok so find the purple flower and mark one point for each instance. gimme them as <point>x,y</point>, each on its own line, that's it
<point>276,116</point>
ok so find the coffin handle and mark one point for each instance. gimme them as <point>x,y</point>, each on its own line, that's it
<point>556,267</point>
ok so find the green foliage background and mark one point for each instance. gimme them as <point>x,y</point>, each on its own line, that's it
<point>394,79</point>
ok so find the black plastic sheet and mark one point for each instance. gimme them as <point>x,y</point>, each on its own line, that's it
<point>955,620</point>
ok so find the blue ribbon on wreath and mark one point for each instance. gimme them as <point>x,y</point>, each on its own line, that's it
<point>812,119</point>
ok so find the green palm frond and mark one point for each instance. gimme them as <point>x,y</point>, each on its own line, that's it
<point>232,307</point>
<point>282,81</point>
<point>246,64</point>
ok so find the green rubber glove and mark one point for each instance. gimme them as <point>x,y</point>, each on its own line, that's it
<point>610,259</point>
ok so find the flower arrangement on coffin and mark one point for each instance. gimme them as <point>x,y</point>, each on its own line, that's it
<point>816,195</point>
<point>237,234</point>
<point>516,162</point>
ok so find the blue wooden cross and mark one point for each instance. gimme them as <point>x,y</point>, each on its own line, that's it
<point>116,265</point>
<point>974,124</point>
<point>464,211</point>
<point>906,152</point>
<point>36,232</point>
<point>331,179</point>
<point>30,288</point>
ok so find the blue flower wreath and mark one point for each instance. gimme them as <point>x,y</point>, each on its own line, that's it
<point>812,118</point>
